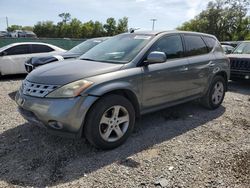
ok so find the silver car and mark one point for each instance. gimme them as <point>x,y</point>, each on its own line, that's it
<point>101,94</point>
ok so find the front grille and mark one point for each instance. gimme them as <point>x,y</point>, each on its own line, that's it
<point>37,90</point>
<point>240,64</point>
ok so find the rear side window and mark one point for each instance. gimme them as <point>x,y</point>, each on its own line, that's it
<point>39,48</point>
<point>17,50</point>
<point>210,42</point>
<point>195,45</point>
<point>170,45</point>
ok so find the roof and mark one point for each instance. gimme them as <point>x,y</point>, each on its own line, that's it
<point>19,43</point>
<point>169,31</point>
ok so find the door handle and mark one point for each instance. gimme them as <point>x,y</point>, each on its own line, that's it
<point>211,64</point>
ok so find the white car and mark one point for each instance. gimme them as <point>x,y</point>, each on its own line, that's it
<point>13,56</point>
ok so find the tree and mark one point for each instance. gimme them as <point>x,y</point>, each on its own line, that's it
<point>98,29</point>
<point>14,27</point>
<point>27,28</point>
<point>87,29</point>
<point>65,17</point>
<point>110,27</point>
<point>226,19</point>
<point>45,29</point>
<point>75,28</point>
<point>122,25</point>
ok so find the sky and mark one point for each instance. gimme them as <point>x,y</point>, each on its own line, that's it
<point>169,13</point>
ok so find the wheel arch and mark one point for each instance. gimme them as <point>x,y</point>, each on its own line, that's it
<point>125,92</point>
<point>225,76</point>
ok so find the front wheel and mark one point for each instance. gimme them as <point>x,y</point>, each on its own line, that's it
<point>215,94</point>
<point>110,122</point>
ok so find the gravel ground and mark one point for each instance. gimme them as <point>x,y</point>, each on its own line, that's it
<point>183,146</point>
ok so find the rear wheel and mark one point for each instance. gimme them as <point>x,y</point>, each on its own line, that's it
<point>110,122</point>
<point>215,95</point>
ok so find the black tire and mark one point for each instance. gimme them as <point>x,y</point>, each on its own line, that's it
<point>207,100</point>
<point>92,127</point>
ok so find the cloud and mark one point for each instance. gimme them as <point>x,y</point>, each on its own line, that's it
<point>169,13</point>
<point>194,7</point>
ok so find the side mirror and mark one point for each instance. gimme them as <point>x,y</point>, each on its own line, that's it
<point>156,57</point>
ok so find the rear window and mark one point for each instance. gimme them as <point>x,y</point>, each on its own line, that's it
<point>39,48</point>
<point>210,42</point>
<point>195,45</point>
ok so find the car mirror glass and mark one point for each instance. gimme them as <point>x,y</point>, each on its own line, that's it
<point>156,57</point>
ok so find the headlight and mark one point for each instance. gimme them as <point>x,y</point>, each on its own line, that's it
<point>70,90</point>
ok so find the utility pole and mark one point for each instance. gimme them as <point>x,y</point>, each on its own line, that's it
<point>153,26</point>
<point>7,22</point>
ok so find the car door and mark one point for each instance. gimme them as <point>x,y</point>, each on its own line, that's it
<point>200,61</point>
<point>166,82</point>
<point>12,61</point>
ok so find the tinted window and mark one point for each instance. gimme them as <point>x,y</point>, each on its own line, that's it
<point>20,49</point>
<point>170,45</point>
<point>195,45</point>
<point>210,42</point>
<point>39,48</point>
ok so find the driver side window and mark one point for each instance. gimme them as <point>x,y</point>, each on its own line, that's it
<point>170,45</point>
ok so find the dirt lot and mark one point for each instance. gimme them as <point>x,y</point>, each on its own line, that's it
<point>183,146</point>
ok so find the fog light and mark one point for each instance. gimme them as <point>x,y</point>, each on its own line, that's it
<point>55,124</point>
<point>247,77</point>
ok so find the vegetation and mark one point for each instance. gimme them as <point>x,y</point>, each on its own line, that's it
<point>74,28</point>
<point>226,19</point>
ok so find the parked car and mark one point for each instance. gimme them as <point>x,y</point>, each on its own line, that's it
<point>227,49</point>
<point>29,34</point>
<point>4,34</point>
<point>75,52</point>
<point>22,34</point>
<point>13,56</point>
<point>240,62</point>
<point>100,94</point>
<point>231,43</point>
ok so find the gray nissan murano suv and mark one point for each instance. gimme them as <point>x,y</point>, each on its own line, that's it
<point>100,95</point>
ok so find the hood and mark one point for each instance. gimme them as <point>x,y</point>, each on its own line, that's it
<point>69,71</point>
<point>37,61</point>
<point>243,56</point>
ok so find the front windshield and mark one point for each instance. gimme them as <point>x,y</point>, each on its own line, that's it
<point>119,49</point>
<point>243,48</point>
<point>84,46</point>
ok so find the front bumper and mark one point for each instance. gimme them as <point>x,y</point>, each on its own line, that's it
<point>240,74</point>
<point>70,113</point>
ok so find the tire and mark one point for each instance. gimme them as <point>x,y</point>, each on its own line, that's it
<point>214,96</point>
<point>102,128</point>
